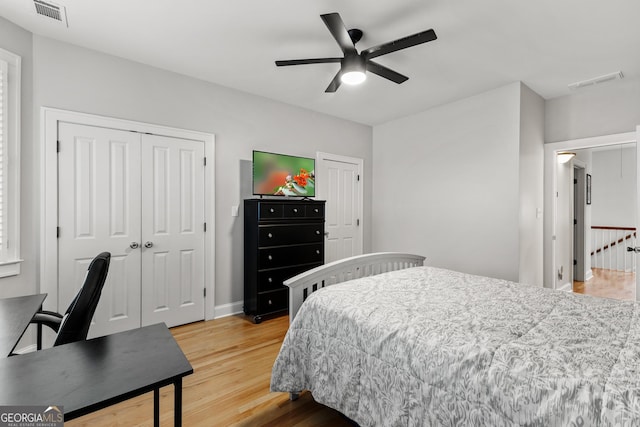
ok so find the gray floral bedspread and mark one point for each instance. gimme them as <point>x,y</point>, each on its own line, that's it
<point>427,346</point>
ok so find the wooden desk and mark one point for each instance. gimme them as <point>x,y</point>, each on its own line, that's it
<point>90,375</point>
<point>15,315</point>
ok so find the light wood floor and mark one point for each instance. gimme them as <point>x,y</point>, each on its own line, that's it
<point>608,284</point>
<point>232,360</point>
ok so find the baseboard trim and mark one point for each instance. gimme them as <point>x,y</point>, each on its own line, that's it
<point>225,310</point>
<point>567,287</point>
<point>588,275</point>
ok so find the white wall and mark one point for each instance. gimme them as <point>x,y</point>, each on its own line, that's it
<point>531,186</point>
<point>446,184</point>
<point>604,109</point>
<point>19,41</point>
<point>564,225</point>
<point>78,79</point>
<point>613,187</point>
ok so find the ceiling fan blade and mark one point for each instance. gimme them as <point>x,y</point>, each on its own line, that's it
<point>307,61</point>
<point>339,32</point>
<point>385,72</point>
<point>335,83</point>
<point>403,43</point>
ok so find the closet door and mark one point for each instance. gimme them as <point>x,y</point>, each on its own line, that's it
<point>99,210</point>
<point>172,230</point>
<point>341,188</point>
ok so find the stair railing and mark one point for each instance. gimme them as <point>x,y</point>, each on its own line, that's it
<point>609,248</point>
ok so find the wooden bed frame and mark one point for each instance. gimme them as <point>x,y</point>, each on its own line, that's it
<point>302,285</point>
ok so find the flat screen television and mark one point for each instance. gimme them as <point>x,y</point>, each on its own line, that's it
<point>283,175</point>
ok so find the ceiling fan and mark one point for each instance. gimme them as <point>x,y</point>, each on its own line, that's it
<point>354,65</point>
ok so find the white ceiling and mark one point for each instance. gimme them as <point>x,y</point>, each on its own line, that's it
<point>481,45</point>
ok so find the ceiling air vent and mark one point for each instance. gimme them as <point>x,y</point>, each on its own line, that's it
<point>52,11</point>
<point>596,80</point>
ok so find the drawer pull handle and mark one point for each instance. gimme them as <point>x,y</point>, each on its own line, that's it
<point>318,251</point>
<point>295,210</point>
<point>270,257</point>
<point>270,280</point>
<point>272,210</point>
<point>316,210</point>
<point>270,303</point>
<point>318,232</point>
<point>270,235</point>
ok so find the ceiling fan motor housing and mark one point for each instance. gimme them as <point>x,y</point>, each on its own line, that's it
<point>353,63</point>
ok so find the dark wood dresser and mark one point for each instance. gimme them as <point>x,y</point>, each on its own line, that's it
<point>281,239</point>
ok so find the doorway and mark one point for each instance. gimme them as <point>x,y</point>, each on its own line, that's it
<point>566,239</point>
<point>580,265</point>
<point>608,193</point>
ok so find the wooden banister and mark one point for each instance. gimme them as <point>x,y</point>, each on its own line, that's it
<point>606,227</point>
<point>615,242</point>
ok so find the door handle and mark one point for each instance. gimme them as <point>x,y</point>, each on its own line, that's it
<point>134,245</point>
<point>635,249</point>
<point>148,244</point>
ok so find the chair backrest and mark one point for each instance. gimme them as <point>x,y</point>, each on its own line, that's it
<point>77,319</point>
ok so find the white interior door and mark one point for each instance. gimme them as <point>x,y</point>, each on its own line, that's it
<point>340,183</point>
<point>99,210</point>
<point>172,230</point>
<point>580,233</point>
<point>141,198</point>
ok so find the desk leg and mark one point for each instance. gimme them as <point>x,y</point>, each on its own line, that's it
<point>177,406</point>
<point>156,407</point>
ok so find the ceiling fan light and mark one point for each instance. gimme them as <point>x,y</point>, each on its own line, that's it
<point>354,69</point>
<point>353,77</point>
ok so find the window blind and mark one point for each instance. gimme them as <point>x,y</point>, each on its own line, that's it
<point>10,69</point>
<point>3,143</point>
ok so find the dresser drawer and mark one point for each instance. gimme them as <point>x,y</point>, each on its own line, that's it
<point>270,210</point>
<point>315,210</point>
<point>269,280</point>
<point>268,302</point>
<point>277,235</point>
<point>290,255</point>
<point>288,210</point>
<point>292,210</point>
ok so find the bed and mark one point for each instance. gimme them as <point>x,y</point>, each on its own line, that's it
<point>424,346</point>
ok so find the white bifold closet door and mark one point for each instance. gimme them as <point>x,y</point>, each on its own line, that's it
<point>172,230</point>
<point>139,197</point>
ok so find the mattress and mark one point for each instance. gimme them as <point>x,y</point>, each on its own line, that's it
<point>429,346</point>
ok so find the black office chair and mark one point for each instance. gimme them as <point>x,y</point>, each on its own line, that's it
<point>74,325</point>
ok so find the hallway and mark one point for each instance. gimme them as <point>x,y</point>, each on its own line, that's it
<point>608,284</point>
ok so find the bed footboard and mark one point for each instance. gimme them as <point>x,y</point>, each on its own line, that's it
<point>302,285</point>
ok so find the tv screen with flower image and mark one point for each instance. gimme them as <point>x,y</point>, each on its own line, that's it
<point>283,175</point>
